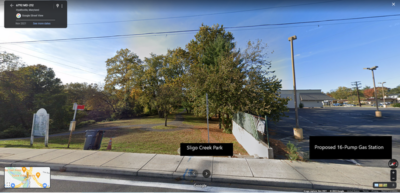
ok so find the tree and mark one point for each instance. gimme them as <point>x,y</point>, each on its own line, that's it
<point>395,90</point>
<point>168,99</point>
<point>210,46</point>
<point>369,92</point>
<point>10,62</point>
<point>123,75</point>
<point>27,89</point>
<point>234,80</point>
<point>341,93</point>
<point>380,91</point>
<point>151,80</point>
<point>353,99</point>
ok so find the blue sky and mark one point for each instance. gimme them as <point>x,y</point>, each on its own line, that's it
<point>327,55</point>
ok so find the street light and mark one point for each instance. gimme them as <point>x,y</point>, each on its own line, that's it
<point>298,132</point>
<point>383,94</point>
<point>377,112</point>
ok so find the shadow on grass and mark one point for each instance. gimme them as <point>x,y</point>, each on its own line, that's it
<point>18,145</point>
<point>191,119</point>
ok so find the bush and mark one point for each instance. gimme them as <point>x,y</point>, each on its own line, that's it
<point>396,105</point>
<point>115,116</point>
<point>110,119</point>
<point>14,132</point>
<point>301,105</point>
<point>292,155</point>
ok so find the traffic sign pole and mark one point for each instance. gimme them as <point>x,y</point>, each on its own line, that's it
<point>208,129</point>
<point>72,124</point>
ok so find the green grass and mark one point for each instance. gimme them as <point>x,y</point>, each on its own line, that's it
<point>154,119</point>
<point>132,139</point>
<point>192,120</point>
<point>164,127</point>
<point>123,140</point>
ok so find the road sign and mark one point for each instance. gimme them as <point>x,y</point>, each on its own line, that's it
<point>78,107</point>
<point>81,107</point>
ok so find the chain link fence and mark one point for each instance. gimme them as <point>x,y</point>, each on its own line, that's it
<point>252,124</point>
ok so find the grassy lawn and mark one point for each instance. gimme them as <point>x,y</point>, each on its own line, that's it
<point>136,121</point>
<point>134,139</point>
<point>192,120</point>
<point>164,127</point>
<point>216,134</point>
<point>123,140</point>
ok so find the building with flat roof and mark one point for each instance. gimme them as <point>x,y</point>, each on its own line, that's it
<point>312,98</point>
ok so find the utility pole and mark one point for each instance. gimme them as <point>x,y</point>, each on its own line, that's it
<point>298,132</point>
<point>383,94</point>
<point>357,84</point>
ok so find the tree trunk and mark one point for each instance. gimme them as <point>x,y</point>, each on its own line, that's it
<point>227,116</point>
<point>187,111</point>
<point>219,119</point>
<point>160,114</point>
<point>166,116</point>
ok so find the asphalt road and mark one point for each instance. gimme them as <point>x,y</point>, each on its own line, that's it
<point>82,182</point>
<point>344,121</point>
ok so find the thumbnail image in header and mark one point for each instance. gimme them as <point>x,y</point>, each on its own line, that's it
<point>27,177</point>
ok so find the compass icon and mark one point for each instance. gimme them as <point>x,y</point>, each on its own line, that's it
<point>393,163</point>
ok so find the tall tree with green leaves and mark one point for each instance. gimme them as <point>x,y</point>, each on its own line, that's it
<point>235,81</point>
<point>210,46</point>
<point>151,80</point>
<point>26,90</point>
<point>124,72</point>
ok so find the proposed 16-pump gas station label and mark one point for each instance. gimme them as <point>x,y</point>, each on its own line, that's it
<point>350,147</point>
<point>35,14</point>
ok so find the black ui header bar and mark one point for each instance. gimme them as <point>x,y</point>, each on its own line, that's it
<point>35,14</point>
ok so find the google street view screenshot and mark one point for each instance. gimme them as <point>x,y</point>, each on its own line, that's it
<point>199,96</point>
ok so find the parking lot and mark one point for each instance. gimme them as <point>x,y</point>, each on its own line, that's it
<point>332,121</point>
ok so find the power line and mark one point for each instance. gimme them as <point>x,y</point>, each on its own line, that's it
<point>52,56</point>
<point>195,30</point>
<point>53,61</point>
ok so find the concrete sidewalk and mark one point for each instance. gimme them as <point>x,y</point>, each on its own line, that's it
<point>281,173</point>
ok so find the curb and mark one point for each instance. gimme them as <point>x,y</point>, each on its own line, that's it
<point>264,181</point>
<point>276,182</point>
